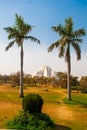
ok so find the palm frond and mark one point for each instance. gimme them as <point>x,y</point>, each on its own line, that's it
<point>68,27</point>
<point>9,29</point>
<point>79,33</point>
<point>28,28</point>
<point>53,45</point>
<point>61,51</point>
<point>32,39</point>
<point>65,40</point>
<point>19,22</point>
<point>13,32</point>
<point>23,27</point>
<point>77,50</point>
<point>77,40</point>
<point>10,45</point>
<point>59,29</point>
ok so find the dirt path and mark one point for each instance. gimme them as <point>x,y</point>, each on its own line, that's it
<point>61,111</point>
<point>64,111</point>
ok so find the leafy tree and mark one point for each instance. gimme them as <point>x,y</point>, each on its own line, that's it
<point>43,80</point>
<point>4,78</point>
<point>62,80</point>
<point>51,82</point>
<point>27,79</point>
<point>68,38</point>
<point>74,81</point>
<point>15,79</point>
<point>83,84</point>
<point>18,33</point>
<point>35,80</point>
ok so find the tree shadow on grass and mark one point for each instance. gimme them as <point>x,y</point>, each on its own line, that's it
<point>76,102</point>
<point>61,127</point>
<point>82,104</point>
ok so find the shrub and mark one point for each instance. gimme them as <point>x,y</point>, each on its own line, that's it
<point>84,89</point>
<point>32,103</point>
<point>75,88</point>
<point>83,84</point>
<point>26,121</point>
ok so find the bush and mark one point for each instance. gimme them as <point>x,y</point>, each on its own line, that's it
<point>32,103</point>
<point>84,89</point>
<point>26,121</point>
<point>75,88</point>
<point>83,84</point>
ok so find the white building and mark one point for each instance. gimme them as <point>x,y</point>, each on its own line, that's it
<point>45,71</point>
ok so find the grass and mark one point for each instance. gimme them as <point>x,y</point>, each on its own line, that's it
<point>66,115</point>
<point>77,99</point>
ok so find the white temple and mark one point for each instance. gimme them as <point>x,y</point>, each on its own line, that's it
<point>45,71</point>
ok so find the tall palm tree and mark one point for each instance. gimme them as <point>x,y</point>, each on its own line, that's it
<point>18,33</point>
<point>68,37</point>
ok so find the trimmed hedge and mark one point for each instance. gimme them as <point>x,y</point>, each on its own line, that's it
<point>32,103</point>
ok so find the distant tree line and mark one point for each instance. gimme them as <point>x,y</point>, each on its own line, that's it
<point>59,81</point>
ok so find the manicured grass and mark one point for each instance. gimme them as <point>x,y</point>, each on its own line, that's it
<point>65,114</point>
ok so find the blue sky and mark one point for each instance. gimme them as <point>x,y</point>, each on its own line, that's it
<point>43,14</point>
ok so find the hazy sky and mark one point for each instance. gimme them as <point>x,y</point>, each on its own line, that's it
<point>43,14</point>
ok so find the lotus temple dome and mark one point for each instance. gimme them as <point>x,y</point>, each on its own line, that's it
<point>45,71</point>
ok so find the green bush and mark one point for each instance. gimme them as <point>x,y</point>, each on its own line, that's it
<point>84,88</point>
<point>32,103</point>
<point>26,121</point>
<point>83,84</point>
<point>75,87</point>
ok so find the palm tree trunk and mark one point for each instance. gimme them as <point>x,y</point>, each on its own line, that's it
<point>68,75</point>
<point>21,74</point>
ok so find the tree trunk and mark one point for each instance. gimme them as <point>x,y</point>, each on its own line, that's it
<point>21,74</point>
<point>68,75</point>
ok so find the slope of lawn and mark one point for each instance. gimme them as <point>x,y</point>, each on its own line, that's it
<point>66,115</point>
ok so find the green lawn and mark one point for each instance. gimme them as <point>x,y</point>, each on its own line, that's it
<point>66,115</point>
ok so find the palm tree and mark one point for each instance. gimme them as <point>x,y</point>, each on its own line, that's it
<point>18,33</point>
<point>68,37</point>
